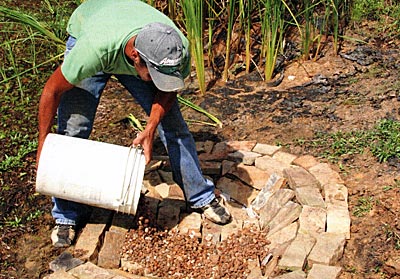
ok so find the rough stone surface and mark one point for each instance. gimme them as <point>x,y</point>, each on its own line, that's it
<point>284,157</point>
<point>338,220</point>
<point>319,271</point>
<point>289,213</point>
<point>246,157</point>
<point>267,163</point>
<point>296,254</point>
<point>251,175</point>
<point>237,190</point>
<point>298,274</point>
<point>328,249</point>
<point>273,205</point>
<point>299,177</point>
<point>109,256</point>
<point>310,196</point>
<point>324,174</point>
<point>266,149</point>
<point>312,220</point>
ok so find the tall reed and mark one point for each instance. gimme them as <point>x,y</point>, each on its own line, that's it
<point>272,29</point>
<point>246,9</point>
<point>193,19</point>
<point>231,20</point>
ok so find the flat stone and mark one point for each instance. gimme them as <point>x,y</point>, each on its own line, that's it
<point>91,271</point>
<point>175,192</point>
<point>168,213</point>
<point>60,274</point>
<point>289,213</point>
<point>241,145</point>
<point>298,274</point>
<point>92,235</point>
<point>255,270</point>
<point>163,190</point>
<point>109,256</point>
<point>221,150</point>
<point>237,190</point>
<point>306,161</point>
<point>211,232</point>
<point>210,167</point>
<point>246,157</point>
<point>312,220</point>
<point>65,262</point>
<point>190,224</point>
<point>296,254</point>
<point>208,146</point>
<point>230,228</point>
<point>226,166</point>
<point>284,157</point>
<point>325,175</point>
<point>319,271</point>
<point>152,193</point>
<point>310,196</point>
<point>336,194</point>
<point>271,165</point>
<point>251,175</point>
<point>299,177</point>
<point>273,184</point>
<point>283,236</point>
<point>266,149</point>
<point>338,220</point>
<point>274,204</point>
<point>328,249</point>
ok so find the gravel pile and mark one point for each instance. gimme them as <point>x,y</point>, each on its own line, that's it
<point>169,254</point>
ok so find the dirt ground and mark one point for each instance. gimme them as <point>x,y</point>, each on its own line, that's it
<point>330,95</point>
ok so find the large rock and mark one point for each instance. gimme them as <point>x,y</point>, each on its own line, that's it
<point>296,254</point>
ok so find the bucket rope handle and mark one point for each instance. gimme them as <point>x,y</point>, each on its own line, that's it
<point>125,194</point>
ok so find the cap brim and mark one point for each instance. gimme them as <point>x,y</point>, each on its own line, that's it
<point>164,82</point>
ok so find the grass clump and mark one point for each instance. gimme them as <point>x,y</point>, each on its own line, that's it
<point>363,207</point>
<point>383,141</point>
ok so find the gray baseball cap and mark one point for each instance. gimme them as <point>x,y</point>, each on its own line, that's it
<point>160,46</point>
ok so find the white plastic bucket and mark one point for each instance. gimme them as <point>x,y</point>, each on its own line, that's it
<point>91,172</point>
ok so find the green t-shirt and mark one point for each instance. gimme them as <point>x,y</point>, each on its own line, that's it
<point>102,28</point>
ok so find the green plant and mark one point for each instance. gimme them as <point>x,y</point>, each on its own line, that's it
<point>231,20</point>
<point>364,206</point>
<point>272,30</point>
<point>193,11</point>
<point>386,140</point>
<point>392,235</point>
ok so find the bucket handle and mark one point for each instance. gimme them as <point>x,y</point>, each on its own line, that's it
<point>124,195</point>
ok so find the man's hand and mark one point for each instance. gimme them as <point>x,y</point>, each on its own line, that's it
<point>145,139</point>
<point>162,103</point>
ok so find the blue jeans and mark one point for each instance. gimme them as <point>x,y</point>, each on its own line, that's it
<point>76,114</point>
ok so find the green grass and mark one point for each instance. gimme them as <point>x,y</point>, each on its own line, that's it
<point>363,207</point>
<point>383,141</point>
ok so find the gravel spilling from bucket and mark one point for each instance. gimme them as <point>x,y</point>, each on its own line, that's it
<point>169,254</point>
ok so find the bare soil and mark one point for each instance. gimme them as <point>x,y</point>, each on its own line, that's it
<point>329,95</point>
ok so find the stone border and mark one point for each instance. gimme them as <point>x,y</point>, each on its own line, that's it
<point>302,202</point>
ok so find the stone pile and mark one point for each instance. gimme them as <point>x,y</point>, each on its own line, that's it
<point>293,208</point>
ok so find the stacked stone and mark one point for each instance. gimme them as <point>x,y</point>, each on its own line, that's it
<point>290,220</point>
<point>307,218</point>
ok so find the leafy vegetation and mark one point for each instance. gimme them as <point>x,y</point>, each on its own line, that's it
<point>383,141</point>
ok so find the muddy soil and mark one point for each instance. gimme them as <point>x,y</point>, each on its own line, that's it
<point>335,93</point>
